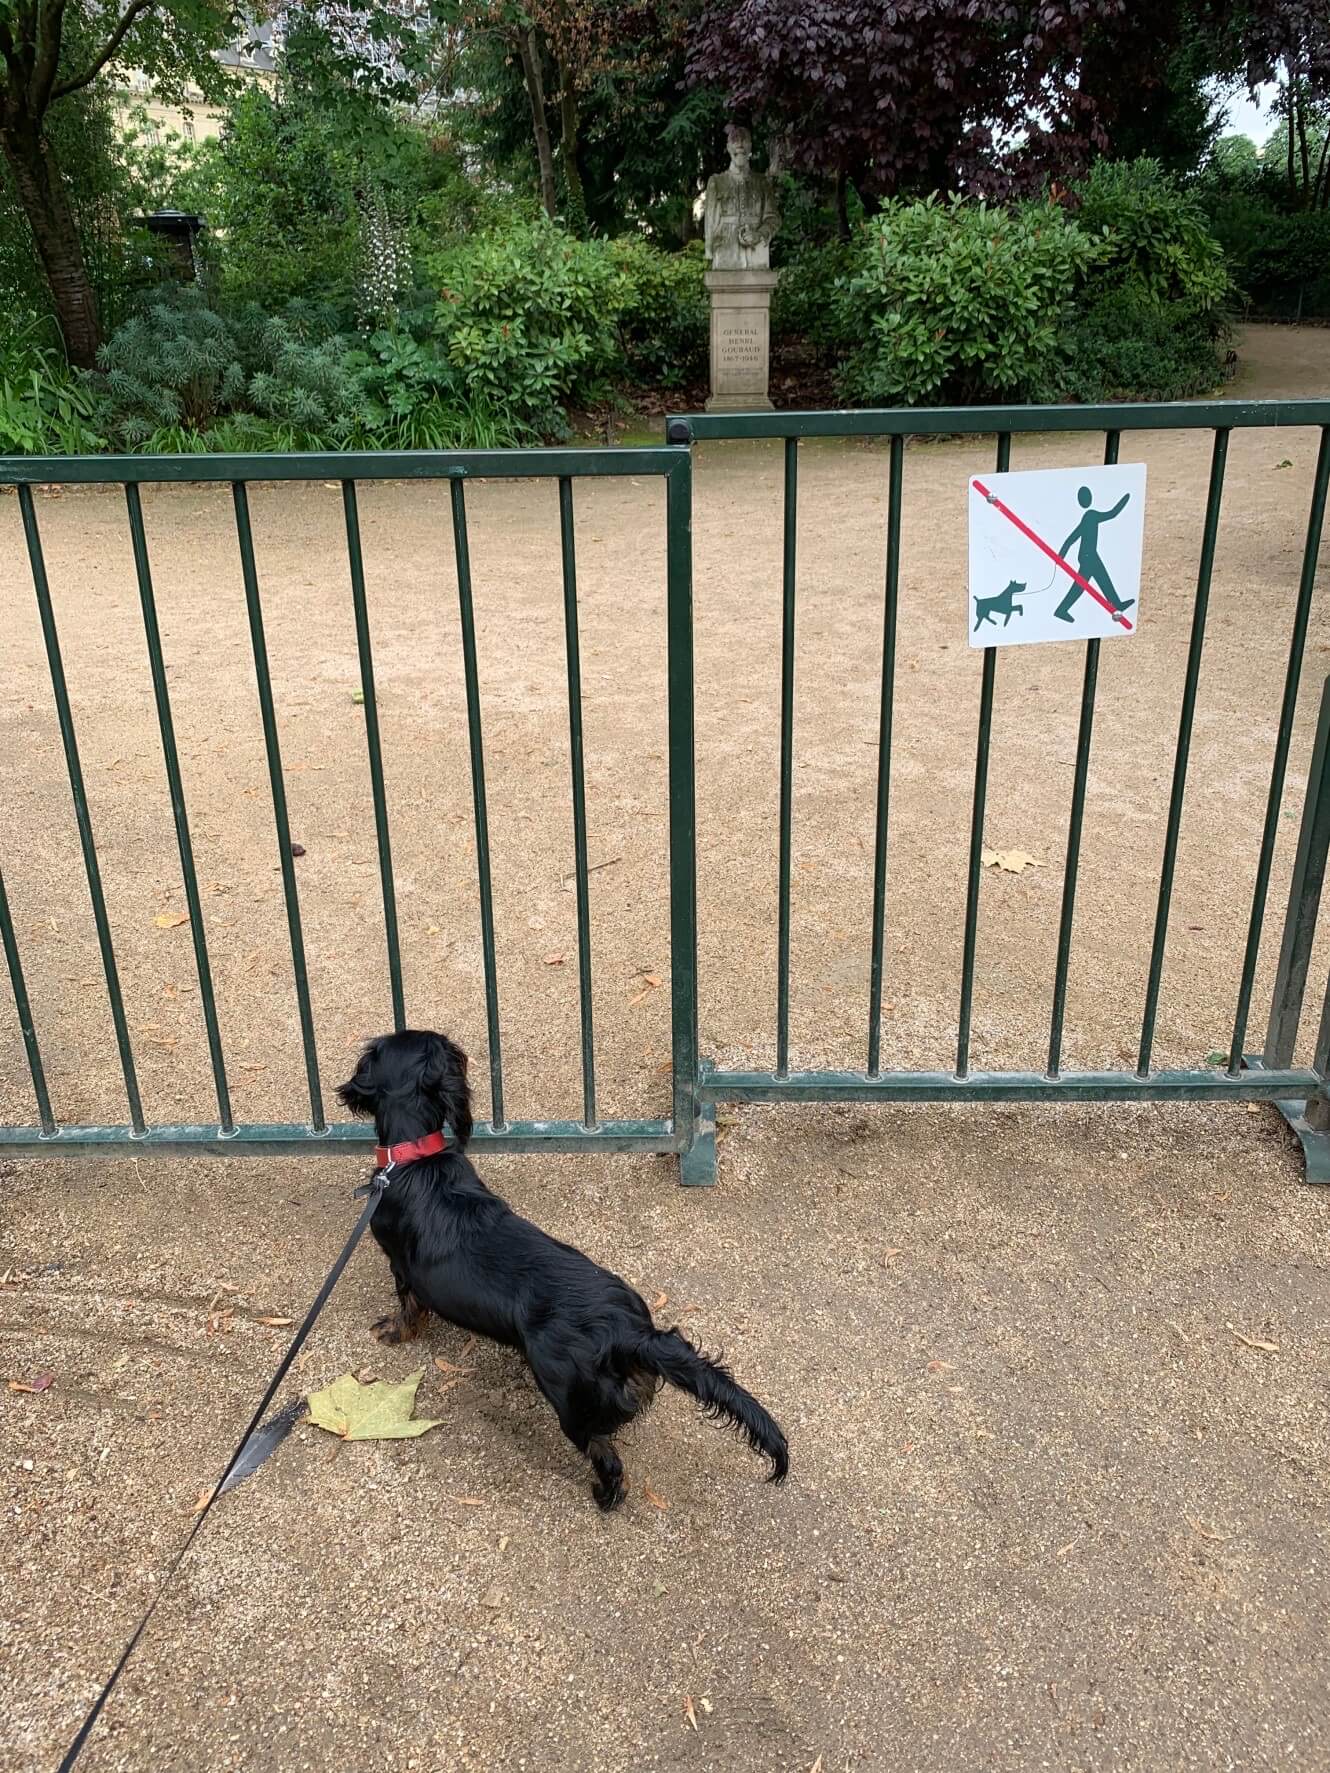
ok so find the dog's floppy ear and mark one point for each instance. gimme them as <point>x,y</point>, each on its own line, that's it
<point>444,1080</point>
<point>360,1093</point>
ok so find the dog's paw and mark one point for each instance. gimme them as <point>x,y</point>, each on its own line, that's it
<point>388,1329</point>
<point>608,1497</point>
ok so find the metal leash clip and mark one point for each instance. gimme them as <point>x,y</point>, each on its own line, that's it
<point>379,1180</point>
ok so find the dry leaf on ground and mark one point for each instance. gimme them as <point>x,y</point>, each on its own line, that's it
<point>170,920</point>
<point>38,1383</point>
<point>653,1499</point>
<point>1009,861</point>
<point>554,960</point>
<point>376,1412</point>
<point>1255,1342</point>
<point>688,1710</point>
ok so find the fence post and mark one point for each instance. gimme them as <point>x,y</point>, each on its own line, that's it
<point>696,1139</point>
<point>1304,901</point>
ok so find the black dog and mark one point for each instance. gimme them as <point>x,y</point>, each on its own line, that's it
<point>458,1250</point>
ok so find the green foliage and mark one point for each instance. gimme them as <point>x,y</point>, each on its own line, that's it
<point>175,364</point>
<point>958,301</point>
<point>45,408</point>
<point>527,316</point>
<point>1156,235</point>
<point>1126,347</point>
<point>807,302</point>
<point>665,316</point>
<point>1280,260</point>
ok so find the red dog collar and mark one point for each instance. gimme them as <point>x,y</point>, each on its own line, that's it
<point>388,1157</point>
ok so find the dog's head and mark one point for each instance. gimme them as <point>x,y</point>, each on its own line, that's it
<point>411,1083</point>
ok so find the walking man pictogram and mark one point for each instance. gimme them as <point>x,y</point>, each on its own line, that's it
<point>1089,564</point>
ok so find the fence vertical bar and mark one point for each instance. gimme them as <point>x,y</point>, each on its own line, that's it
<point>26,1028</point>
<point>1205,570</point>
<point>977,826</point>
<point>890,606</point>
<point>1304,902</point>
<point>272,746</point>
<point>468,618</point>
<point>1071,868</point>
<point>1283,740</point>
<point>577,766</point>
<point>355,561</point>
<point>179,812</point>
<point>697,1145</point>
<point>789,571</point>
<point>82,816</point>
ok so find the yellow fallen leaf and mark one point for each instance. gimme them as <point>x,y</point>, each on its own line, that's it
<point>170,920</point>
<point>275,1323</point>
<point>375,1412</point>
<point>654,1500</point>
<point>1010,861</point>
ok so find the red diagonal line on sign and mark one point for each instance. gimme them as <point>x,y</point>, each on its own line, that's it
<point>1052,553</point>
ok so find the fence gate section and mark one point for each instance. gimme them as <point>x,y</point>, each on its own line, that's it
<point>138,1133</point>
<point>1300,1093</point>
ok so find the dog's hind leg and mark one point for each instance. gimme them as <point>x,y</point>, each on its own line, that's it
<point>402,1325</point>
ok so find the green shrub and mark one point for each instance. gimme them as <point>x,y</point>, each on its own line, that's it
<point>807,301</point>
<point>179,368</point>
<point>1127,347</point>
<point>175,364</point>
<point>1280,260</point>
<point>413,398</point>
<point>958,301</point>
<point>1157,241</point>
<point>527,315</point>
<point>665,317</point>
<point>45,407</point>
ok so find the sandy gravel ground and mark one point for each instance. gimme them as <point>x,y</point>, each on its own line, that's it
<point>1053,1502</point>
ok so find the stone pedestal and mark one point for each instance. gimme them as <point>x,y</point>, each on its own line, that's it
<point>740,339</point>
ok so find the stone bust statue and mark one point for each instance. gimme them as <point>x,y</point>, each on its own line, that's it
<point>740,211</point>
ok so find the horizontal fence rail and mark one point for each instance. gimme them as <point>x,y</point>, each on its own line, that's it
<point>675,1133</point>
<point>1274,1077</point>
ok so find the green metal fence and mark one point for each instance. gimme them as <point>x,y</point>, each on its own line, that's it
<point>1300,1092</point>
<point>227,1135</point>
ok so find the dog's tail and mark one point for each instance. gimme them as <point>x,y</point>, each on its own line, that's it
<point>670,1356</point>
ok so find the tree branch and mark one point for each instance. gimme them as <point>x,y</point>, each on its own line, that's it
<point>48,26</point>
<point>133,11</point>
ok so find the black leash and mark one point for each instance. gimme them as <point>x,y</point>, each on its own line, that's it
<point>373,1189</point>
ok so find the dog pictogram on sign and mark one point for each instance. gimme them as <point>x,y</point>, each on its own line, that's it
<point>1055,554</point>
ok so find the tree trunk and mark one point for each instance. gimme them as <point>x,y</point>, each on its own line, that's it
<point>572,172</point>
<point>1321,188</point>
<point>1304,150</point>
<point>1292,180</point>
<point>41,191</point>
<point>529,51</point>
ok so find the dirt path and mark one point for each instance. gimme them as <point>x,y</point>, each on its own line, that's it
<point>1049,1508</point>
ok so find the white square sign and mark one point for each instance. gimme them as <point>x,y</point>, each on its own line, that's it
<point>1055,554</point>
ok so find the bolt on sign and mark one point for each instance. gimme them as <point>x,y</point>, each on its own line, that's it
<point>1055,554</point>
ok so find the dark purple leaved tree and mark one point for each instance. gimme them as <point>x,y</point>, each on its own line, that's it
<point>915,94</point>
